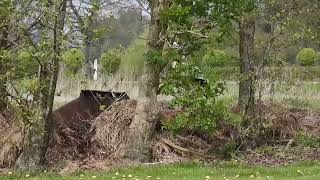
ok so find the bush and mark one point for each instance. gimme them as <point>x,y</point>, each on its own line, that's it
<point>203,110</point>
<point>111,60</point>
<point>215,58</point>
<point>307,56</point>
<point>73,59</point>
<point>306,140</point>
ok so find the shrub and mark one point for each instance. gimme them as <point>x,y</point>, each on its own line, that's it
<point>111,60</point>
<point>73,59</point>
<point>307,56</point>
<point>306,140</point>
<point>202,108</point>
<point>215,58</point>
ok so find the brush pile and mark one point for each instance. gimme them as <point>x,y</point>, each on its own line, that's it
<point>96,143</point>
<point>110,130</point>
<point>281,124</point>
<point>101,138</point>
<point>70,141</point>
<point>171,149</point>
<point>10,143</point>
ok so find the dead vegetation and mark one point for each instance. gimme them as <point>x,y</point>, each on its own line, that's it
<point>280,125</point>
<point>100,139</point>
<point>10,143</point>
<point>110,130</point>
<point>100,142</point>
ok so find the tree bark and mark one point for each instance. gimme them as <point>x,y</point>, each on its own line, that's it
<point>3,88</point>
<point>88,56</point>
<point>39,134</point>
<point>247,67</point>
<point>143,125</point>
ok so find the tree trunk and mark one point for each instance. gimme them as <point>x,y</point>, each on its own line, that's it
<point>39,134</point>
<point>247,67</point>
<point>88,56</point>
<point>86,30</point>
<point>3,87</point>
<point>143,125</point>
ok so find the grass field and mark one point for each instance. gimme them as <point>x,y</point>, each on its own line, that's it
<point>188,172</point>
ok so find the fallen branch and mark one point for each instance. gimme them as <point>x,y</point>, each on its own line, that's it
<point>189,151</point>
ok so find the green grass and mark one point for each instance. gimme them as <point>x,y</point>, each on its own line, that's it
<point>296,72</point>
<point>189,172</point>
<point>302,95</point>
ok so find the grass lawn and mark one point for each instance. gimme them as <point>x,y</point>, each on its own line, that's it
<point>188,171</point>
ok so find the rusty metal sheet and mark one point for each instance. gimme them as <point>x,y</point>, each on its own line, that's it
<point>87,105</point>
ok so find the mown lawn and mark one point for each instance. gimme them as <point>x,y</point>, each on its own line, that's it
<point>185,172</point>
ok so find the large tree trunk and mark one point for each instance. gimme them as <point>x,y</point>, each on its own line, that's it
<point>31,156</point>
<point>39,134</point>
<point>247,67</point>
<point>143,125</point>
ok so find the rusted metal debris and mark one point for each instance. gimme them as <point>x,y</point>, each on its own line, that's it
<point>88,105</point>
<point>71,135</point>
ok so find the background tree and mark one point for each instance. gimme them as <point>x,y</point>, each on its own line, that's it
<point>87,30</point>
<point>247,63</point>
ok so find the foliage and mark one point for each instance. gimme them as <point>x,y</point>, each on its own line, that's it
<point>177,14</point>
<point>199,100</point>
<point>111,60</point>
<point>26,62</point>
<point>215,58</point>
<point>307,56</point>
<point>154,57</point>
<point>5,7</point>
<point>73,60</point>
<point>306,140</point>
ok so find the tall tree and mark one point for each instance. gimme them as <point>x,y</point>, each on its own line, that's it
<point>247,65</point>
<point>39,134</point>
<point>143,125</point>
